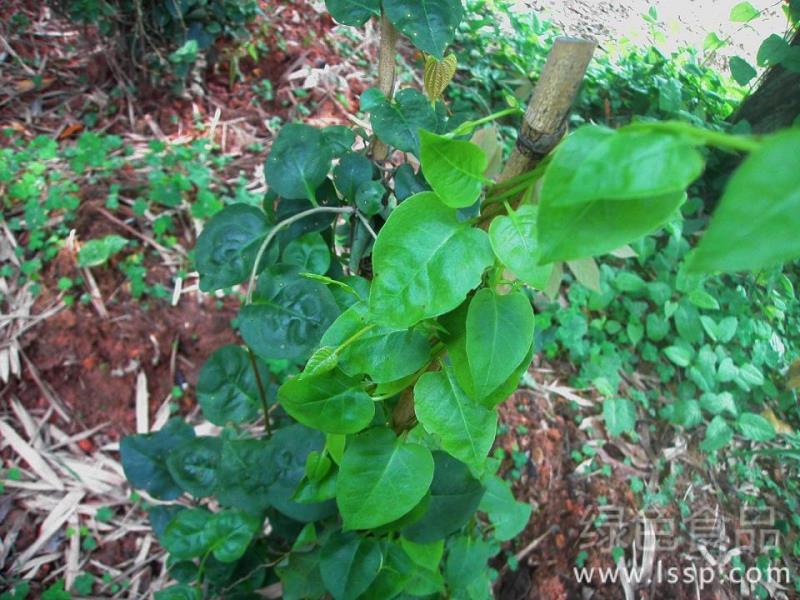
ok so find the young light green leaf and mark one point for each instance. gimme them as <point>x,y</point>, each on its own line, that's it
<point>349,563</point>
<point>96,252</point>
<point>679,355</point>
<point>702,299</point>
<point>499,332</point>
<point>716,404</point>
<point>514,242</point>
<point>466,429</point>
<point>760,203</point>
<point>454,168</point>
<point>507,516</point>
<point>755,427</point>
<point>397,123</point>
<point>227,389</point>
<point>331,402</point>
<point>353,12</point>
<point>743,12</point>
<point>298,162</point>
<point>381,478</point>
<point>718,435</point>
<point>288,316</point>
<point>619,415</point>
<point>227,247</point>
<point>425,262</point>
<point>429,24</point>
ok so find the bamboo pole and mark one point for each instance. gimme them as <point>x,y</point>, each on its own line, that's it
<point>545,121</point>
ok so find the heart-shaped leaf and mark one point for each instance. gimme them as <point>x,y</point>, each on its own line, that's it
<point>429,24</point>
<point>349,563</point>
<point>454,168</point>
<point>397,123</point>
<point>353,12</point>
<point>298,162</point>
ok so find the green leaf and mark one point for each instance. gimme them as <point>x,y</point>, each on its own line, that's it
<point>300,576</point>
<point>466,429</point>
<point>429,24</point>
<point>425,262</point>
<point>716,404</point>
<point>702,299</point>
<point>741,70</point>
<point>308,252</point>
<point>369,197</point>
<point>96,252</point>
<point>605,188</point>
<point>227,389</point>
<point>227,247</point>
<point>507,516</point>
<point>382,353</point>
<point>466,562</point>
<point>179,591</point>
<point>428,556</point>
<point>144,459</point>
<point>514,242</point>
<point>718,435</point>
<point>353,170</point>
<point>186,536</point>
<point>245,474</point>
<point>353,12</point>
<point>755,427</point>
<point>395,573</point>
<point>298,162</point>
<point>499,332</point>
<point>713,42</point>
<point>772,51</point>
<point>619,415</point>
<point>193,465</point>
<point>454,168</point>
<point>397,123</point>
<point>679,355</point>
<point>381,478</point>
<point>751,374</point>
<point>340,139</point>
<point>760,203</point>
<point>455,496</point>
<point>288,316</point>
<point>586,273</point>
<point>743,12</point>
<point>229,534</point>
<point>407,183</point>
<point>331,402</point>
<point>349,563</point>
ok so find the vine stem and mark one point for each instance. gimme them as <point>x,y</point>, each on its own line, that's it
<point>277,229</point>
<point>386,75</point>
<point>261,393</point>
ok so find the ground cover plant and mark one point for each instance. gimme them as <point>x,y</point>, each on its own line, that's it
<point>374,457</point>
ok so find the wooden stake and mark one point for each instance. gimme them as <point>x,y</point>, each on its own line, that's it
<point>386,75</point>
<point>545,121</point>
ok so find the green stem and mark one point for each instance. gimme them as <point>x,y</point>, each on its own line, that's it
<point>261,393</point>
<point>468,126</point>
<point>277,229</point>
<point>725,141</point>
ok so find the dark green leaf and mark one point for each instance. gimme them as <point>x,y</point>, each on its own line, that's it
<point>407,183</point>
<point>178,592</point>
<point>245,474</point>
<point>741,70</point>
<point>300,576</point>
<point>193,465</point>
<point>761,204</point>
<point>309,253</point>
<point>429,24</point>
<point>353,12</point>
<point>144,459</point>
<point>298,162</point>
<point>186,536</point>
<point>772,51</point>
<point>397,123</point>
<point>288,316</point>
<point>331,402</point>
<point>353,170</point>
<point>340,139</point>
<point>227,389</point>
<point>229,534</point>
<point>369,197</point>
<point>381,478</point>
<point>226,250</point>
<point>349,563</point>
<point>396,571</point>
<point>466,561</point>
<point>425,262</point>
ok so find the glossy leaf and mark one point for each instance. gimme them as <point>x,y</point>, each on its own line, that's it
<point>429,24</point>
<point>193,465</point>
<point>353,12</point>
<point>455,496</point>
<point>144,457</point>
<point>227,247</point>
<point>349,563</point>
<point>288,316</point>
<point>425,262</point>
<point>245,474</point>
<point>353,170</point>
<point>507,516</point>
<point>227,389</point>
<point>397,123</point>
<point>407,183</point>
<point>331,402</point>
<point>758,217</point>
<point>514,242</point>
<point>340,139</point>
<point>186,536</point>
<point>454,168</point>
<point>309,253</point>
<point>465,428</point>
<point>229,534</point>
<point>382,353</point>
<point>369,197</point>
<point>396,571</point>
<point>381,478</point>
<point>298,162</point>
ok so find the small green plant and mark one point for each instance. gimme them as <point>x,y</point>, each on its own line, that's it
<point>400,302</point>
